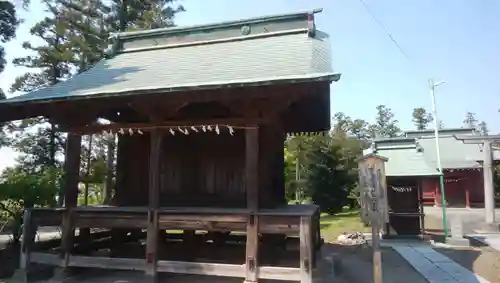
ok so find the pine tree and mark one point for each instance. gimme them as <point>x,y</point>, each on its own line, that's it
<point>91,21</point>
<point>421,118</point>
<point>470,120</point>
<point>8,25</point>
<point>38,140</point>
<point>385,123</point>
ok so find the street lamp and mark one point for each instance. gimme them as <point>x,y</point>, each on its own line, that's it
<point>432,86</point>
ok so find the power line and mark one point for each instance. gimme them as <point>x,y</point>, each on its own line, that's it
<point>386,31</point>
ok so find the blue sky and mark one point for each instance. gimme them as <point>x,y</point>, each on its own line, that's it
<point>453,40</point>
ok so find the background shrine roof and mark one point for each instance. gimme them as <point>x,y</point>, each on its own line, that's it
<point>265,50</point>
<point>415,153</point>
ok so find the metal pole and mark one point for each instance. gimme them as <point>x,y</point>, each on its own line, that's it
<point>489,192</point>
<point>438,156</point>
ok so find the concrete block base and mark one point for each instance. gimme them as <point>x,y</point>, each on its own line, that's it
<point>61,275</point>
<point>458,242</point>
<point>488,228</point>
<point>20,276</point>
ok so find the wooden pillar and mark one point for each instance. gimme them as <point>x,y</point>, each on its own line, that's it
<point>153,205</point>
<point>306,248</point>
<point>467,196</point>
<point>70,186</point>
<point>252,181</point>
<point>489,191</point>
<point>437,194</point>
<point>21,275</point>
<point>420,188</point>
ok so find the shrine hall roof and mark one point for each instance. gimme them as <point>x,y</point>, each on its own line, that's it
<point>415,154</point>
<point>266,50</point>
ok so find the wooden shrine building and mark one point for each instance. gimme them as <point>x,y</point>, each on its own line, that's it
<point>201,114</point>
<point>413,175</point>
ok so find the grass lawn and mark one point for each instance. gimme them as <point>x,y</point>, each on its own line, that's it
<point>333,225</point>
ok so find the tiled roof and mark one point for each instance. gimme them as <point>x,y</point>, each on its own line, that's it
<point>416,156</point>
<point>454,153</point>
<point>279,52</point>
<point>404,160</point>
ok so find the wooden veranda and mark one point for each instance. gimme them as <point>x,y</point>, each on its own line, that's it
<point>200,148</point>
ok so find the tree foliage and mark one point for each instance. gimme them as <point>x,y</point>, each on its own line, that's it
<point>8,25</point>
<point>20,189</point>
<point>421,118</point>
<point>73,37</point>
<point>327,169</point>
<point>385,123</point>
<point>471,121</point>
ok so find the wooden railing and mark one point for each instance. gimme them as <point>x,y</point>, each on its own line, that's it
<point>298,220</point>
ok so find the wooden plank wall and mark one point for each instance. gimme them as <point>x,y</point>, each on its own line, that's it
<point>201,169</point>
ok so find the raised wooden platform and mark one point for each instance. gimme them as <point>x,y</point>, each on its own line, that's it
<point>290,220</point>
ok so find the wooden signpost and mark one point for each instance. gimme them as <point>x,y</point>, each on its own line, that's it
<point>373,196</point>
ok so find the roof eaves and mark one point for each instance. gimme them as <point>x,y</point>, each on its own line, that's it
<point>317,77</point>
<point>177,30</point>
<point>396,139</point>
<point>431,131</point>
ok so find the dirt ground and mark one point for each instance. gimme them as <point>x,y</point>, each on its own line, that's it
<point>482,260</point>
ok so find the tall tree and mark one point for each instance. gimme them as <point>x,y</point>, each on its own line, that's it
<point>385,123</point>
<point>482,128</point>
<point>441,124</point>
<point>353,127</point>
<point>421,118</point>
<point>92,21</point>
<point>8,25</point>
<point>470,120</point>
<point>50,63</point>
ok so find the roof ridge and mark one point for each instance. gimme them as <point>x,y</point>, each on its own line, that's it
<point>214,41</point>
<point>175,30</point>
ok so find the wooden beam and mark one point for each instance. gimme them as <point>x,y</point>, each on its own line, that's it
<point>67,237</point>
<point>99,128</point>
<point>305,250</point>
<point>26,245</point>
<point>72,169</point>
<point>108,262</point>
<point>153,205</point>
<point>227,270</point>
<point>46,258</point>
<point>251,168</point>
<point>70,190</point>
<point>251,174</point>
<point>252,250</point>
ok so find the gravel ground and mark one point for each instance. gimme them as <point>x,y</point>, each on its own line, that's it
<point>484,261</point>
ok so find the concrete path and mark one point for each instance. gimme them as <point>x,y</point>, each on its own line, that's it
<point>435,267</point>
<point>492,240</point>
<point>471,217</point>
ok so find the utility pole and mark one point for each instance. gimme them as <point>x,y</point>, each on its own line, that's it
<point>432,86</point>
